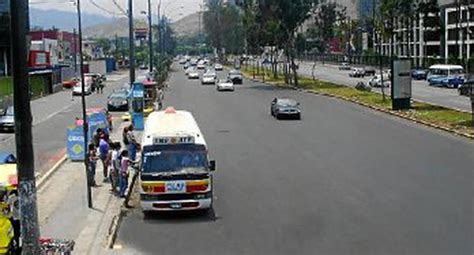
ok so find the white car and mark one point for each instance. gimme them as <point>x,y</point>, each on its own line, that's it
<point>209,78</point>
<point>225,85</point>
<point>377,82</point>
<point>193,74</point>
<point>218,67</point>
<point>188,70</point>
<point>201,65</point>
<point>77,90</point>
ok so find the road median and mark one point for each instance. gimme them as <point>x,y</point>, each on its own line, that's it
<point>442,118</point>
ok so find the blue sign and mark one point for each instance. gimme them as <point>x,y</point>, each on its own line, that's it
<point>97,120</point>
<point>137,104</point>
<point>74,135</point>
<point>75,143</point>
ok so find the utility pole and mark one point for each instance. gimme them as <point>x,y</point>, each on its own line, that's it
<point>150,38</point>
<point>199,34</point>
<point>117,50</point>
<point>75,52</point>
<point>131,43</point>
<point>85,124</point>
<point>458,19</point>
<point>159,31</point>
<point>23,135</point>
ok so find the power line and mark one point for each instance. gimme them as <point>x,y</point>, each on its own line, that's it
<point>52,2</point>
<point>101,8</point>
<point>119,7</point>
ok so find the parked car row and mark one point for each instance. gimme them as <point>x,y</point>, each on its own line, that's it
<point>357,72</point>
<point>449,76</point>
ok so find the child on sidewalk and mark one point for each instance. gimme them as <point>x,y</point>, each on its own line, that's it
<point>124,164</point>
<point>115,166</point>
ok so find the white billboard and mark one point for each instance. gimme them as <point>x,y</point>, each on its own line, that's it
<point>401,79</point>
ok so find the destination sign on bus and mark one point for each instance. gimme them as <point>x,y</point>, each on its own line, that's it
<point>174,140</point>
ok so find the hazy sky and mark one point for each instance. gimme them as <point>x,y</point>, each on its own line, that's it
<point>174,9</point>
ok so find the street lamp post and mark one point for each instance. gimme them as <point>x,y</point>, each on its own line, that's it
<point>150,34</point>
<point>150,47</point>
<point>85,124</point>
<point>131,43</point>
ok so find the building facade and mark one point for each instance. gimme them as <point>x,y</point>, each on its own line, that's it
<point>450,42</point>
<point>62,45</point>
<point>4,37</point>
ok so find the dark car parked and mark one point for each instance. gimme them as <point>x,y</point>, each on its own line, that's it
<point>235,76</point>
<point>7,120</point>
<point>370,71</point>
<point>118,101</point>
<point>285,108</point>
<point>344,66</point>
<point>467,89</point>
<point>419,74</point>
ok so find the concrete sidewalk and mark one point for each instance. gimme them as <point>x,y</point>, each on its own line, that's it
<point>64,212</point>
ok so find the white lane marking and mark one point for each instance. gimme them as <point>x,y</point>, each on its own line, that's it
<point>52,114</point>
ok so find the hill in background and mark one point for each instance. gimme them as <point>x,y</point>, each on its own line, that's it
<point>112,28</point>
<point>187,26</point>
<point>63,20</point>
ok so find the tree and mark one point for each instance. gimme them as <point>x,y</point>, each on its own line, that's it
<point>224,27</point>
<point>167,40</point>
<point>105,44</point>
<point>324,27</point>
<point>289,16</point>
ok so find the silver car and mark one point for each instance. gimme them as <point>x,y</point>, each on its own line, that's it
<point>193,74</point>
<point>209,78</point>
<point>225,85</point>
<point>285,108</point>
<point>7,120</point>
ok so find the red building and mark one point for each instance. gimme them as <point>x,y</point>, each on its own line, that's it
<point>68,43</point>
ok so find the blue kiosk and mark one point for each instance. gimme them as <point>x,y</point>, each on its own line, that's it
<point>137,103</point>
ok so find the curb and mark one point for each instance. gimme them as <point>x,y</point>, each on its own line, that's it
<point>41,180</point>
<point>114,228</point>
<point>393,113</point>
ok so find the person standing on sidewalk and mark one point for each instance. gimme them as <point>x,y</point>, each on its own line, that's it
<point>101,88</point>
<point>124,136</point>
<point>109,120</point>
<point>133,145</point>
<point>115,166</point>
<point>124,164</point>
<point>96,138</point>
<point>91,154</point>
<point>104,156</point>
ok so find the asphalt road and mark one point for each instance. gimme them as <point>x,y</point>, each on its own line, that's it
<point>51,116</point>
<point>343,180</point>
<point>421,91</point>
